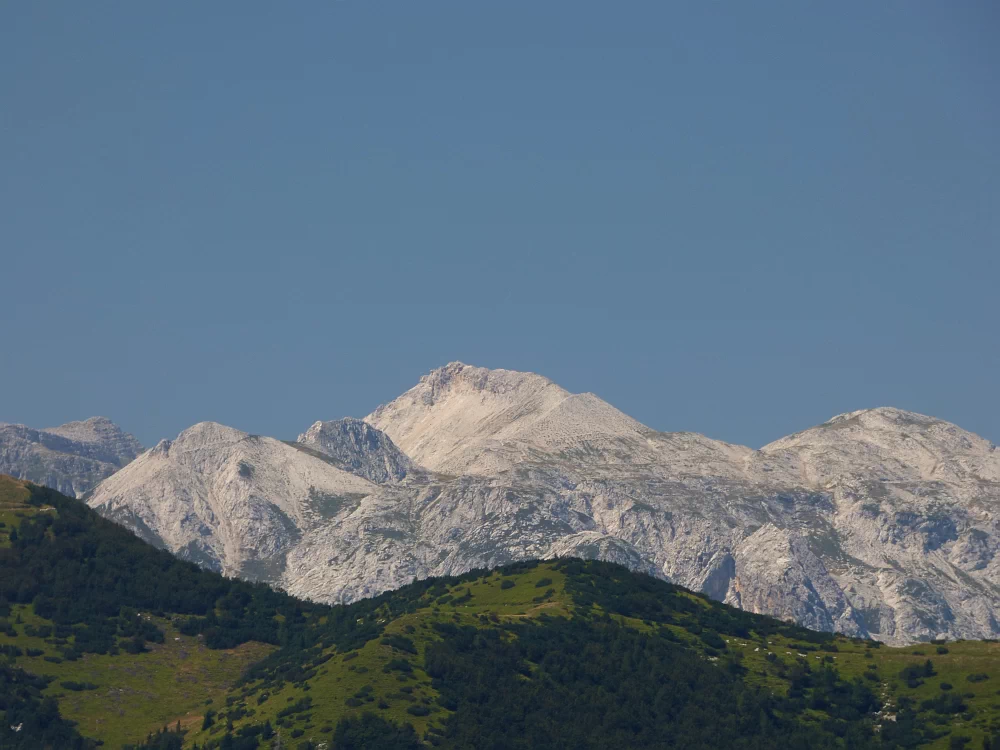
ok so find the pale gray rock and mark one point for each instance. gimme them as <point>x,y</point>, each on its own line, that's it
<point>359,448</point>
<point>230,501</point>
<point>879,523</point>
<point>71,458</point>
<point>470,420</point>
<point>776,572</point>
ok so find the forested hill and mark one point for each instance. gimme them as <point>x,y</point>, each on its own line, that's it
<point>76,589</point>
<point>104,638</point>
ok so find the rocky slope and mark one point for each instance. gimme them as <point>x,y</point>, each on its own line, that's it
<point>230,501</point>
<point>71,458</point>
<point>879,522</point>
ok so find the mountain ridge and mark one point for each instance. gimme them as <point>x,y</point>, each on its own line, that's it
<point>878,522</point>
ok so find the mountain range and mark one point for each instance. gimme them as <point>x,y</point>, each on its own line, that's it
<point>879,523</point>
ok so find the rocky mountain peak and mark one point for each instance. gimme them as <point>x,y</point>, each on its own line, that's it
<point>462,419</point>
<point>71,458</point>
<point>105,435</point>
<point>207,434</point>
<point>92,428</point>
<point>359,447</point>
<point>888,444</point>
<point>887,419</point>
<point>460,377</point>
<point>884,415</point>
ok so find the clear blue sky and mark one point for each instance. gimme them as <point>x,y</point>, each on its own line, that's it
<point>735,218</point>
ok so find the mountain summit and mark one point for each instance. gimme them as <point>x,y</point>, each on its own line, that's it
<point>469,420</point>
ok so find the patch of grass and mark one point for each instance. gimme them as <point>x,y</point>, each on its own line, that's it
<point>120,699</point>
<point>955,672</point>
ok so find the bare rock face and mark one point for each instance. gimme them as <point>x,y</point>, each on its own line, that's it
<point>775,571</point>
<point>71,458</point>
<point>879,523</point>
<point>359,448</point>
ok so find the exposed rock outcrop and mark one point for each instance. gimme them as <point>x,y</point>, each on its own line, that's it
<point>359,448</point>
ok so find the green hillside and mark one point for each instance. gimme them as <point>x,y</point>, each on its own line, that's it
<point>106,639</point>
<point>120,637</point>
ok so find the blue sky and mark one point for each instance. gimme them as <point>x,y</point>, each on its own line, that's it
<point>735,218</point>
